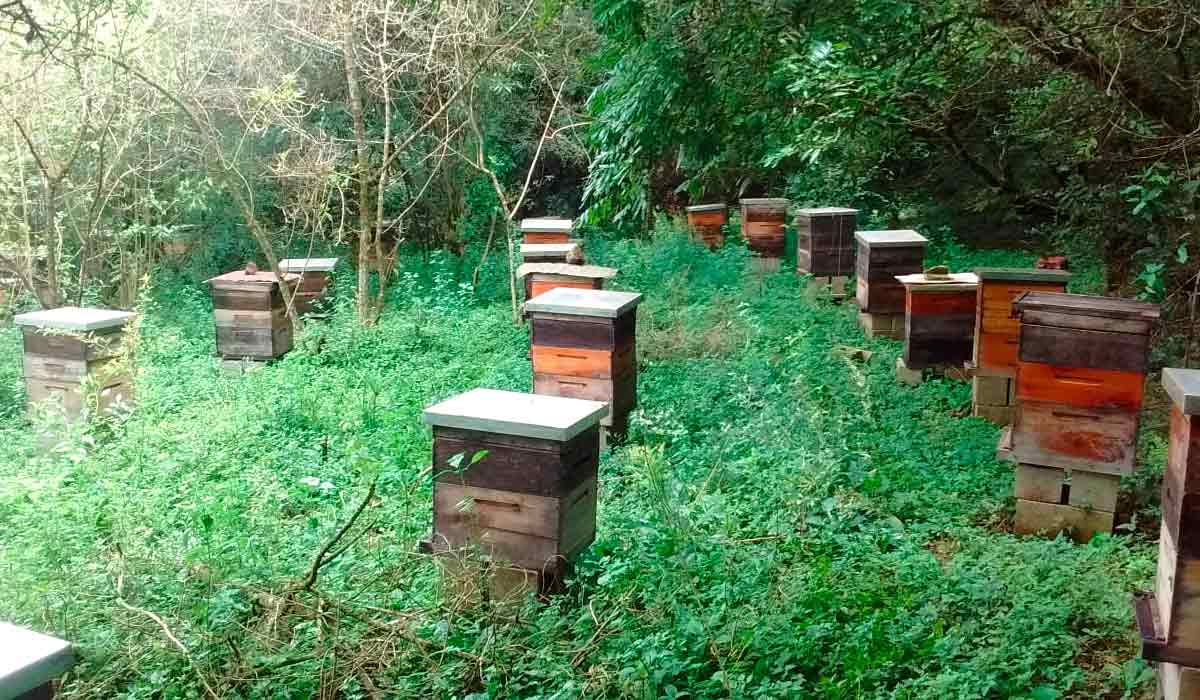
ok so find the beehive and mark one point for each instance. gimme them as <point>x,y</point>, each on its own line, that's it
<point>546,230</point>
<point>1169,618</point>
<point>529,502</point>
<point>881,257</point>
<point>316,278</point>
<point>68,347</point>
<point>250,315</point>
<point>939,319</point>
<point>707,223</point>
<point>584,346</point>
<point>30,662</point>
<point>763,224</point>
<point>570,252</point>
<point>540,278</point>
<point>825,241</point>
<point>994,356</point>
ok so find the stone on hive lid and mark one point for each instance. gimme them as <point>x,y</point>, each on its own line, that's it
<point>567,270</point>
<point>308,264</point>
<point>951,281</point>
<point>891,239</point>
<point>514,413</point>
<point>825,211</point>
<point>707,207</point>
<point>74,318</point>
<point>584,302</point>
<point>546,225</point>
<point>553,251</point>
<point>1183,386</point>
<point>29,660</point>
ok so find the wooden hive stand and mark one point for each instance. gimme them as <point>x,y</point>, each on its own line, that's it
<point>316,279</point>
<point>1081,365</point>
<point>763,227</point>
<point>251,319</point>
<point>570,252</point>
<point>1169,617</point>
<point>825,248</point>
<point>68,348</point>
<point>546,230</point>
<point>30,662</point>
<point>706,223</point>
<point>527,506</point>
<point>997,331</point>
<point>882,256</point>
<point>540,278</point>
<point>584,346</point>
<point>939,321</point>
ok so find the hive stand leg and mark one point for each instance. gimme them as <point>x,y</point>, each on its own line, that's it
<point>763,265</point>
<point>242,366</point>
<point>906,376</point>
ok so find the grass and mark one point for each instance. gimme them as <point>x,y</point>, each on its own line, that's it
<point>782,522</point>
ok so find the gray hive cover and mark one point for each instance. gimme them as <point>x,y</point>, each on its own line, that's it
<point>891,239</point>
<point>1183,386</point>
<point>547,225</point>
<point>567,270</point>
<point>1022,274</point>
<point>707,207</point>
<point>74,318</point>
<point>552,251</point>
<point>514,413</point>
<point>584,302</point>
<point>308,264</point>
<point>29,660</point>
<point>765,202</point>
<point>825,211</point>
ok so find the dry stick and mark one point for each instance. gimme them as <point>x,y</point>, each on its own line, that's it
<point>321,560</point>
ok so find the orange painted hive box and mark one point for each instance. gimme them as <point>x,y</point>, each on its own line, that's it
<point>763,222</point>
<point>545,230</point>
<point>997,328</point>
<point>540,278</point>
<point>707,223</point>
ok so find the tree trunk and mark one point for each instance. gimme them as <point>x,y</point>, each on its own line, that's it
<point>362,164</point>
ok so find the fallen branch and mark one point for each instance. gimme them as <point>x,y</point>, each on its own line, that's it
<point>323,557</point>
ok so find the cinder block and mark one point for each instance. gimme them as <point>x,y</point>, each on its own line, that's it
<point>1052,518</point>
<point>1000,415</point>
<point>992,390</point>
<point>904,375</point>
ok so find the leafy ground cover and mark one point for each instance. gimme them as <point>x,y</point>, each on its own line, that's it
<point>782,522</point>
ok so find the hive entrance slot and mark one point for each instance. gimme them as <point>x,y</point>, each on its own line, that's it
<point>1064,497</point>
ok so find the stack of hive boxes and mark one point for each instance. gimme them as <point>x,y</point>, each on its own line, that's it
<point>997,331</point>
<point>316,277</point>
<point>515,480</point>
<point>825,246</point>
<point>1169,618</point>
<point>939,320</point>
<point>1081,367</point>
<point>584,346</point>
<point>707,223</point>
<point>763,226</point>
<point>540,278</point>
<point>69,350</point>
<point>883,256</point>
<point>251,319</point>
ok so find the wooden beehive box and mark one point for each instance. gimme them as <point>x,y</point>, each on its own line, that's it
<point>939,319</point>
<point>1081,364</point>
<point>68,346</point>
<point>546,230</point>
<point>763,225</point>
<point>316,278</point>
<point>707,223</point>
<point>570,252</point>
<point>530,501</point>
<point>882,257</point>
<point>30,662</point>
<point>1169,618</point>
<point>540,278</point>
<point>584,346</point>
<point>825,241</point>
<point>250,315</point>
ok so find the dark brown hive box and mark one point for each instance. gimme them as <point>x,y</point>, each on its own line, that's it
<point>825,241</point>
<point>939,319</point>
<point>763,222</point>
<point>707,223</point>
<point>540,278</point>
<point>250,315</point>
<point>316,279</point>
<point>883,256</point>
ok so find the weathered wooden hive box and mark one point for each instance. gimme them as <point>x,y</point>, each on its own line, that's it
<point>540,278</point>
<point>881,257</point>
<point>68,346</point>
<point>570,252</point>
<point>30,662</point>
<point>250,315</point>
<point>825,244</point>
<point>763,225</point>
<point>529,502</point>
<point>707,223</point>
<point>316,279</point>
<point>939,319</point>
<point>584,346</point>
<point>546,230</point>
<point>997,332</point>
<point>1169,618</point>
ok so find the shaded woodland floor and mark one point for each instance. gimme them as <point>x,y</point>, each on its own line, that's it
<point>783,521</point>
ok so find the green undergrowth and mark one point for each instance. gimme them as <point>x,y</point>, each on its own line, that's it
<point>784,520</point>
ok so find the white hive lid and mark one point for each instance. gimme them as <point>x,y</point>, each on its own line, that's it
<point>826,211</point>
<point>1183,386</point>
<point>29,660</point>
<point>515,413</point>
<point>567,270</point>
<point>584,302</point>
<point>547,225</point>
<point>308,264</point>
<point>891,239</point>
<point>955,280</point>
<point>74,318</point>
<point>542,251</point>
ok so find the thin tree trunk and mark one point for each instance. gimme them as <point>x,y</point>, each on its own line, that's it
<point>362,164</point>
